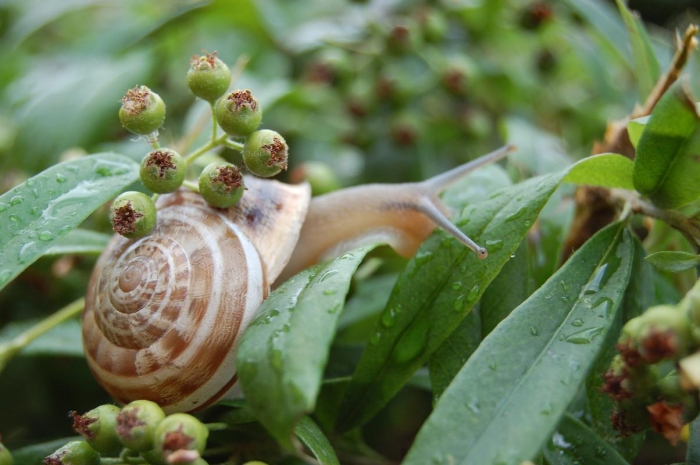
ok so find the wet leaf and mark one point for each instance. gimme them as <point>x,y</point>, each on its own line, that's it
<point>575,443</point>
<point>605,170</point>
<point>312,436</point>
<point>436,290</point>
<point>283,353</point>
<point>80,241</point>
<point>46,207</point>
<point>530,368</point>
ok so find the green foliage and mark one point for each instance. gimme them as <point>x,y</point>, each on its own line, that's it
<point>368,357</point>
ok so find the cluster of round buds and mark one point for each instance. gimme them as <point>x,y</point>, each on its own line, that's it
<point>140,427</point>
<point>663,334</point>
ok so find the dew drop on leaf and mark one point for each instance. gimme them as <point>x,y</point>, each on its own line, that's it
<point>16,200</point>
<point>46,236</point>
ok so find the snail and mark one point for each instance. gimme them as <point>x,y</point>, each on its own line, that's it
<point>163,313</point>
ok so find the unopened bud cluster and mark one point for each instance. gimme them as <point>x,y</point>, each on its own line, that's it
<point>645,398</point>
<point>163,170</point>
<point>139,428</point>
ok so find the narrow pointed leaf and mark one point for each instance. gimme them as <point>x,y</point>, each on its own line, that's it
<point>312,436</point>
<point>575,442</point>
<point>283,353</point>
<point>605,170</point>
<point>638,297</point>
<point>80,241</point>
<point>436,290</point>
<point>666,167</point>
<point>673,261</point>
<point>693,454</point>
<point>509,397</point>
<point>635,128</point>
<point>35,214</point>
<point>646,66</point>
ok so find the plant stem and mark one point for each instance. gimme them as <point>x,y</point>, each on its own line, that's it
<point>232,144</point>
<point>12,347</point>
<point>191,185</point>
<point>217,426</point>
<point>214,124</point>
<point>205,148</point>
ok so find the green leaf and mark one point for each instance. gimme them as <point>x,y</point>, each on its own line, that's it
<point>80,241</point>
<point>575,443</point>
<point>436,290</point>
<point>283,353</point>
<point>673,261</point>
<point>646,66</point>
<point>508,398</point>
<point>312,436</point>
<point>47,206</point>
<point>638,297</point>
<point>605,170</point>
<point>635,128</point>
<point>666,167</point>
<point>64,339</point>
<point>34,454</point>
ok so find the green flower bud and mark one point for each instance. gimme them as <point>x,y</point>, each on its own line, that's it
<point>238,113</point>
<point>665,334</point>
<point>208,77</point>
<point>137,422</point>
<point>434,25</point>
<point>318,174</point>
<point>221,184</point>
<point>133,214</point>
<point>142,111</point>
<point>163,171</point>
<point>265,153</point>
<point>99,428</point>
<point>180,438</point>
<point>74,453</point>
<point>5,456</point>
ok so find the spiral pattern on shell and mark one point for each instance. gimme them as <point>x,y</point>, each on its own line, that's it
<point>163,313</point>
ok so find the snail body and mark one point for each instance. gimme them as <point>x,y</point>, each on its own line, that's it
<point>163,313</point>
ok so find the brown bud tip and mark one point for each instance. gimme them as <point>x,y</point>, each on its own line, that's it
<point>162,160</point>
<point>613,385</point>
<point>135,100</point>
<point>667,420</point>
<point>629,354</point>
<point>125,219</point>
<point>81,424</point>
<point>127,420</point>
<point>241,98</point>
<point>229,177</point>
<point>177,440</point>
<point>209,59</point>
<point>659,344</point>
<point>278,153</point>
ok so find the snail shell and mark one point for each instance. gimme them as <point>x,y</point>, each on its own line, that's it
<point>163,312</point>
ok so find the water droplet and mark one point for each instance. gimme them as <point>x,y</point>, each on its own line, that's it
<point>517,213</point>
<point>474,406</point>
<point>578,322</point>
<point>16,200</point>
<point>585,336</point>
<point>334,309</point>
<point>456,285</point>
<point>389,317</point>
<point>492,366</point>
<point>46,236</point>
<point>14,218</point>
<point>411,344</point>
<point>5,276</point>
<point>534,331</point>
<point>459,303</point>
<point>34,210</point>
<point>423,257</point>
<point>286,327</point>
<point>60,178</point>
<point>31,182</point>
<point>473,294</point>
<point>375,338</point>
<point>544,183</point>
<point>27,252</point>
<point>594,284</point>
<point>564,287</point>
<point>65,230</point>
<point>3,207</point>
<point>493,245</point>
<point>329,291</point>
<point>520,197</point>
<point>327,275</point>
<point>603,306</point>
<point>347,256</point>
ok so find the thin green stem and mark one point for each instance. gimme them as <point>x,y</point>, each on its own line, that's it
<point>12,347</point>
<point>214,123</point>
<point>154,197</point>
<point>232,144</point>
<point>191,185</point>
<point>205,148</point>
<point>217,426</point>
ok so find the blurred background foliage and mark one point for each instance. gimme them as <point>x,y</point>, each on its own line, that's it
<point>384,90</point>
